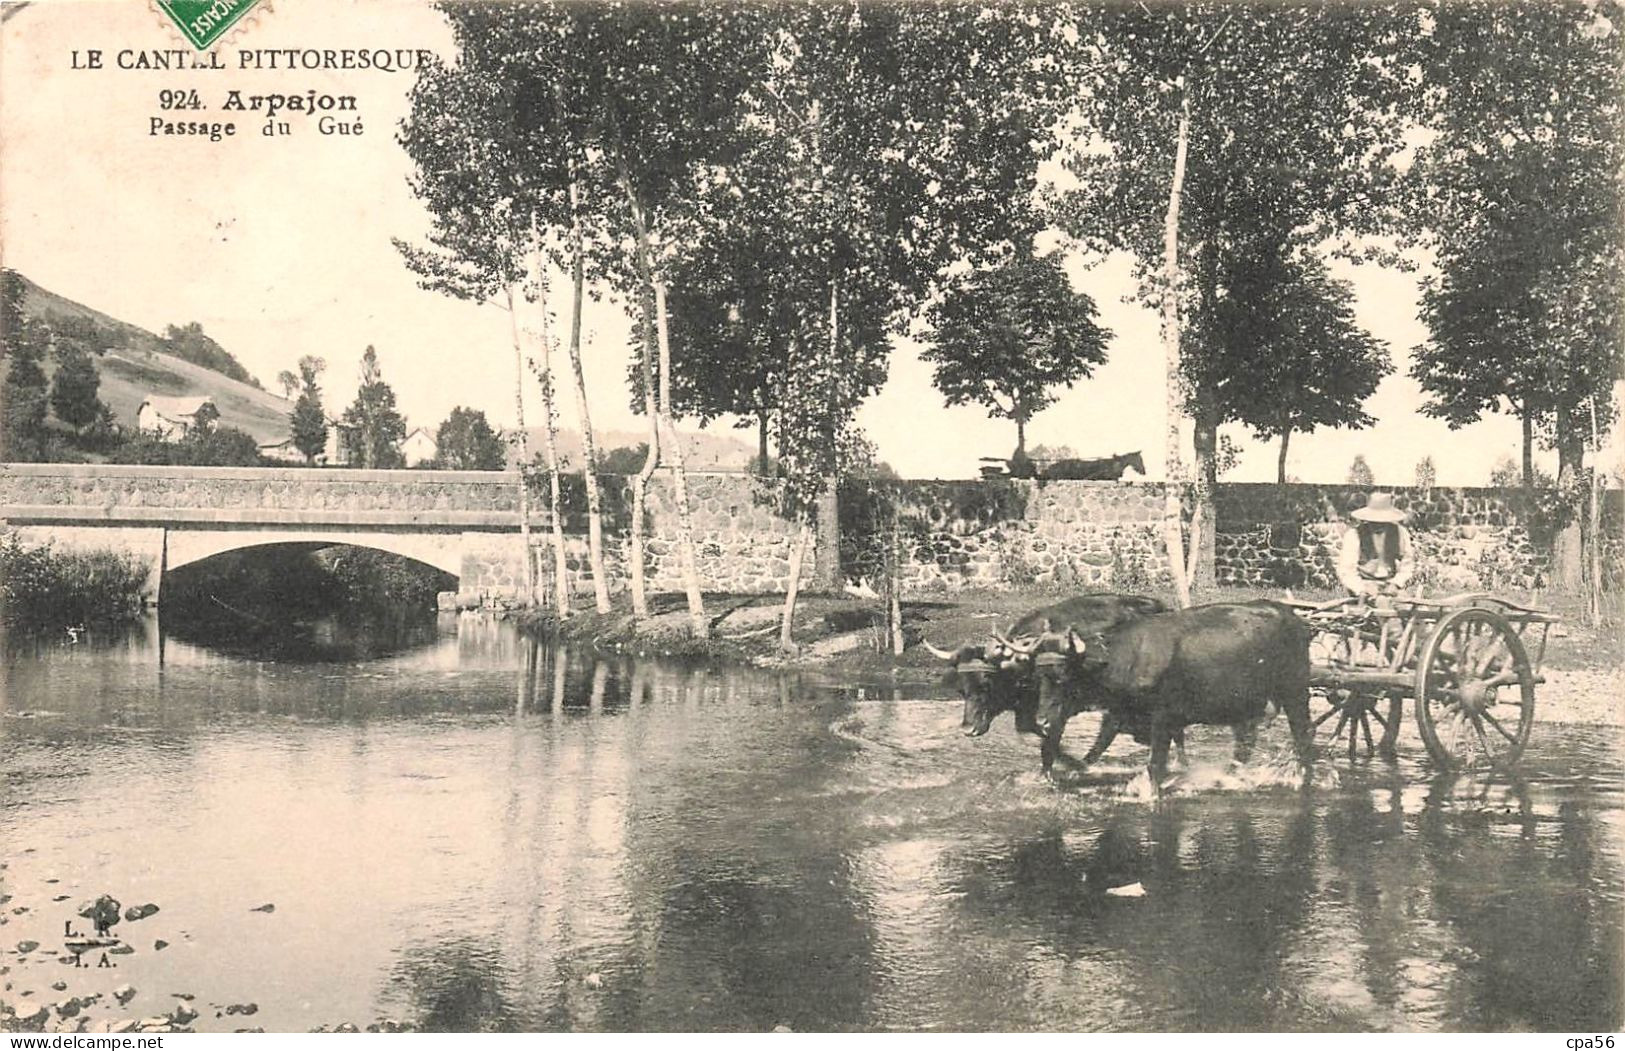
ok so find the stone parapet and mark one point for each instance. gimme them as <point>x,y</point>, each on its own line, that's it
<point>112,493</point>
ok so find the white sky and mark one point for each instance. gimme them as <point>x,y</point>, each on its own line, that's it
<point>281,247</point>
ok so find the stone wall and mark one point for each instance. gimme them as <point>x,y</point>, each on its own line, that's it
<point>1288,536</point>
<point>741,544</point>
<point>1006,533</point>
<point>1010,533</point>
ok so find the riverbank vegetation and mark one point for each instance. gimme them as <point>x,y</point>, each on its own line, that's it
<point>46,590</point>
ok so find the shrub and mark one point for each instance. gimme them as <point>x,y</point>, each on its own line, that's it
<point>214,447</point>
<point>382,580</point>
<point>623,460</point>
<point>42,589</point>
<point>1129,572</point>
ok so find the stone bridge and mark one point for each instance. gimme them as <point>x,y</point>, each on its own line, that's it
<point>463,522</point>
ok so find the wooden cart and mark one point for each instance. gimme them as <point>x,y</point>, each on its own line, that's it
<point>1470,662</point>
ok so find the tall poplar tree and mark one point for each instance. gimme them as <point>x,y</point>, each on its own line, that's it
<point>308,420</point>
<point>1210,126</point>
<point>372,427</point>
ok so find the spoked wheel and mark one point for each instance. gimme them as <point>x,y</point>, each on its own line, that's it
<point>1358,725</point>
<point>1475,690</point>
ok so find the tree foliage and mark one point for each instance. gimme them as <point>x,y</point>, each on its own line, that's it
<point>1008,337</point>
<point>1310,364</point>
<point>625,459</point>
<point>76,381</point>
<point>1525,171</point>
<point>466,442</point>
<point>371,427</point>
<point>1360,471</point>
<point>24,407</point>
<point>882,144</point>
<point>308,420</point>
<point>1296,119</point>
<point>200,447</point>
<point>1286,120</point>
<point>1427,475</point>
<point>189,343</point>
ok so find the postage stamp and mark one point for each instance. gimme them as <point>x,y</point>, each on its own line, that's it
<point>205,22</point>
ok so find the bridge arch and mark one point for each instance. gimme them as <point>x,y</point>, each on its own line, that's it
<point>464,523</point>
<point>443,551</point>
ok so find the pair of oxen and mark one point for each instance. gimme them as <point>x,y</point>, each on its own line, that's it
<point>1149,670</point>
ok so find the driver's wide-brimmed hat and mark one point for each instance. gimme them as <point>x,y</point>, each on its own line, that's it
<point>1380,508</point>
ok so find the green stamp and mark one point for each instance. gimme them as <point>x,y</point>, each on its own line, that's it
<point>205,21</point>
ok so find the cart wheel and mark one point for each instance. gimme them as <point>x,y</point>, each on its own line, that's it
<point>1347,722</point>
<point>1475,690</point>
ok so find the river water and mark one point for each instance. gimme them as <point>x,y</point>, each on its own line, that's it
<point>479,833</point>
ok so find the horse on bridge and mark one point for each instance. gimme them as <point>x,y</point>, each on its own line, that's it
<point>1104,469</point>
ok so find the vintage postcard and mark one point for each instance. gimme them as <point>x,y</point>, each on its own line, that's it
<point>599,516</point>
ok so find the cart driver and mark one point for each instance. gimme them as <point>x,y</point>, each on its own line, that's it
<point>1376,557</point>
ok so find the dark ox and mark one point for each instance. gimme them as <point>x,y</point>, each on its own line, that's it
<point>995,677</point>
<point>1223,664</point>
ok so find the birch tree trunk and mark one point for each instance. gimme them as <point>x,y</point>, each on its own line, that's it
<point>685,524</point>
<point>894,581</point>
<point>1199,563</point>
<point>1528,418</point>
<point>640,482</point>
<point>1568,549</point>
<point>792,592</point>
<point>1594,527</point>
<point>1172,507</point>
<point>640,485</point>
<point>524,446</point>
<point>589,447</point>
<point>793,589</point>
<point>550,445</point>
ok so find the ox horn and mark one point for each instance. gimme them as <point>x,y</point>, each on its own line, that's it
<point>1024,647</point>
<point>944,654</point>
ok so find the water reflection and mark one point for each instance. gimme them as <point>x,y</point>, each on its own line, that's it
<point>485,833</point>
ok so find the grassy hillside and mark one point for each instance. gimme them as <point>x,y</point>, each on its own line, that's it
<point>129,376</point>
<point>135,366</point>
<point>44,305</point>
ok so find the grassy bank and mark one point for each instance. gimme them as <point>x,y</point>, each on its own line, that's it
<point>46,590</point>
<point>846,635</point>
